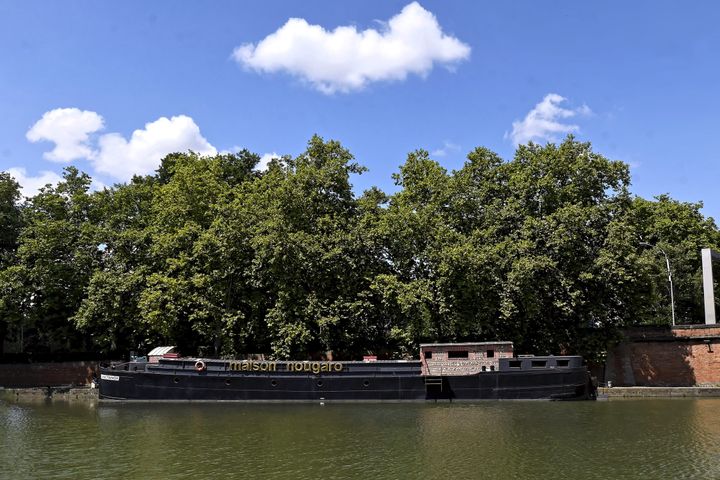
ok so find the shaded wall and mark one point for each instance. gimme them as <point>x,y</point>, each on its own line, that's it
<point>47,374</point>
<point>685,355</point>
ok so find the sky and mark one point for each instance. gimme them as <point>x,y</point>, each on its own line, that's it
<point>111,87</point>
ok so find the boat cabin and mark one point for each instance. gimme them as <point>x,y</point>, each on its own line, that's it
<point>443,359</point>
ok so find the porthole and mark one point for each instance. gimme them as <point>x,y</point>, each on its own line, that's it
<point>227,382</point>
<point>274,383</point>
<point>319,383</point>
<point>366,383</point>
<point>135,368</point>
<point>176,380</point>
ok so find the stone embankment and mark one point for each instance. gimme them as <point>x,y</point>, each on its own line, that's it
<point>44,394</point>
<point>90,395</point>
<point>655,392</point>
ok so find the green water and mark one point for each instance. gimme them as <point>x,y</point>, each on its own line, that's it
<point>612,439</point>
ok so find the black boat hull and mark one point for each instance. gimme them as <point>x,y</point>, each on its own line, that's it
<point>566,384</point>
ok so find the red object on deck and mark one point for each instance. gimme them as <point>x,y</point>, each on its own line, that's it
<point>369,358</point>
<point>171,355</point>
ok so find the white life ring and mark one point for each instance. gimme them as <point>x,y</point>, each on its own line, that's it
<point>200,366</point>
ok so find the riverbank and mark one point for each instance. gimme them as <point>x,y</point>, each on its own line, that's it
<point>658,392</point>
<point>43,394</point>
<point>90,395</point>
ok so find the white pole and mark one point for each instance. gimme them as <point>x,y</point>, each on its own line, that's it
<point>708,290</point>
<point>672,296</point>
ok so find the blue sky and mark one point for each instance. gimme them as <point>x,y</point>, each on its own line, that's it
<point>109,87</point>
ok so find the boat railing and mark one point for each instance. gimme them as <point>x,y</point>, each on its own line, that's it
<point>116,366</point>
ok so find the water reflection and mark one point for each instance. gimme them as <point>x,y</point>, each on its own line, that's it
<point>616,439</point>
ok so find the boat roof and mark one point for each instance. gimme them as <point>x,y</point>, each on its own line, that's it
<point>463,344</point>
<point>159,351</point>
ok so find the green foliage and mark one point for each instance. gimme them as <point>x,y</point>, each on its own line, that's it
<point>10,227</point>
<point>679,230</point>
<point>546,249</point>
<point>56,255</point>
<point>10,218</point>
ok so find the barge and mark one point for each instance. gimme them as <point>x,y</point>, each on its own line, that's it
<point>445,371</point>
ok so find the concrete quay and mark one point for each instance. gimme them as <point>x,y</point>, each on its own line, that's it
<point>90,395</point>
<point>658,392</point>
<point>44,394</point>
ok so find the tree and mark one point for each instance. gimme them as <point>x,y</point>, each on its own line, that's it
<point>291,230</point>
<point>507,250</point>
<point>57,253</point>
<point>187,298</point>
<point>109,312</point>
<point>547,249</point>
<point>10,228</point>
<point>680,230</point>
<point>10,218</point>
<point>562,282</point>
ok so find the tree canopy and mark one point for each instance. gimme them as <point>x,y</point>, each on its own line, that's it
<point>548,249</point>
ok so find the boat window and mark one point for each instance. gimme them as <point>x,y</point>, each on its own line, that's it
<point>490,353</point>
<point>538,363</point>
<point>366,383</point>
<point>273,383</point>
<point>176,380</point>
<point>227,382</point>
<point>563,363</point>
<point>428,355</point>
<point>458,354</point>
<point>515,363</point>
<point>320,383</point>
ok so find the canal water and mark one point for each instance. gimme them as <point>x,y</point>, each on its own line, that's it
<point>648,438</point>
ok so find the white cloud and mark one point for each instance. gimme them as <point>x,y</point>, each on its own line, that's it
<point>112,154</point>
<point>265,160</point>
<point>233,149</point>
<point>543,122</point>
<point>31,184</point>
<point>141,155</point>
<point>345,59</point>
<point>97,185</point>
<point>447,148</point>
<point>69,129</point>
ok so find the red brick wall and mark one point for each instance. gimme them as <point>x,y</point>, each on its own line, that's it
<point>655,356</point>
<point>477,358</point>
